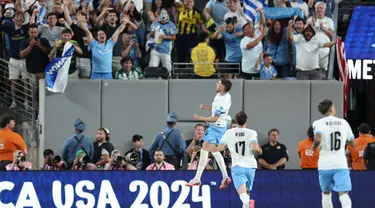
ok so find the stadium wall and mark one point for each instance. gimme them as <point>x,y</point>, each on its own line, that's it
<point>162,189</point>
<point>141,107</point>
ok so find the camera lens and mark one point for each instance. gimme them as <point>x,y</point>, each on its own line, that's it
<point>22,159</point>
<point>118,159</point>
<point>57,159</point>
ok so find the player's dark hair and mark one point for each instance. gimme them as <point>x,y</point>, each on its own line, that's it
<point>272,130</point>
<point>241,118</point>
<point>227,84</point>
<point>5,120</point>
<point>324,106</point>
<point>310,132</point>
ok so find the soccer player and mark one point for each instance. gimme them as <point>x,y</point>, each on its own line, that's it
<point>243,144</point>
<point>331,134</point>
<point>219,121</point>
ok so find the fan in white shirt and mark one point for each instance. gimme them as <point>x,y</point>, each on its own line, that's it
<point>331,134</point>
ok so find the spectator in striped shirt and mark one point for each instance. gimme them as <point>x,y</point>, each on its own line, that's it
<point>160,164</point>
<point>188,20</point>
<point>19,162</point>
<point>129,71</point>
<point>267,70</point>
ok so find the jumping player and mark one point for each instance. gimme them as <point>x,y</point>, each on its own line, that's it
<point>243,144</point>
<point>218,120</point>
<point>331,134</point>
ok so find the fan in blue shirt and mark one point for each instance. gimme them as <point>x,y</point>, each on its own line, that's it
<point>232,35</point>
<point>267,70</point>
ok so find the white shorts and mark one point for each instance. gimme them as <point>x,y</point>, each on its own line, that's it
<point>83,66</point>
<point>17,67</point>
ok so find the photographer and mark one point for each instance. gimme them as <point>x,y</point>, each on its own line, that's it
<point>144,155</point>
<point>160,164</point>
<point>52,162</point>
<point>116,162</point>
<point>195,155</point>
<point>82,162</point>
<point>19,162</point>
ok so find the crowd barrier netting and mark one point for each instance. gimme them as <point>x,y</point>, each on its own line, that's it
<point>162,189</point>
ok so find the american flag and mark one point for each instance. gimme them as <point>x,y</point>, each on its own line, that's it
<point>250,7</point>
<point>344,72</point>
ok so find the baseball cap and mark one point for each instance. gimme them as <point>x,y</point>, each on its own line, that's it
<point>172,117</point>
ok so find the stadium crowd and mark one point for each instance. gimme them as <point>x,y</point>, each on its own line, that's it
<point>135,39</point>
<point>167,152</point>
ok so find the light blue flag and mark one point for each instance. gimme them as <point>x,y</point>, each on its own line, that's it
<point>57,71</point>
<point>281,12</point>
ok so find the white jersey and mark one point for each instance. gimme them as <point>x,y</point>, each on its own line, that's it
<point>220,107</point>
<point>238,141</point>
<point>335,132</point>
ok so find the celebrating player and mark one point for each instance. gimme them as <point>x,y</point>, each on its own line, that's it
<point>331,134</point>
<point>218,125</point>
<point>243,144</point>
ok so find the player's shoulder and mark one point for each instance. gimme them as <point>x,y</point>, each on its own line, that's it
<point>251,131</point>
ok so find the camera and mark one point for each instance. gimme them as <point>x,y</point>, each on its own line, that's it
<point>84,160</point>
<point>56,159</point>
<point>132,157</point>
<point>21,159</point>
<point>118,160</point>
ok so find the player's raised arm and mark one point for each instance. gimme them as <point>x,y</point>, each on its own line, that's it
<point>210,119</point>
<point>205,107</point>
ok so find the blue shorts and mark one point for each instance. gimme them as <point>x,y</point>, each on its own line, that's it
<point>336,180</point>
<point>101,75</point>
<point>242,176</point>
<point>213,134</point>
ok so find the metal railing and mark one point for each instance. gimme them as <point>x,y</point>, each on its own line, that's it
<point>187,69</point>
<point>23,104</point>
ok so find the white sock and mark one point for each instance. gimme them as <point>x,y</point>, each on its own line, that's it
<point>327,200</point>
<point>345,201</point>
<point>245,200</point>
<point>202,164</point>
<point>220,161</point>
